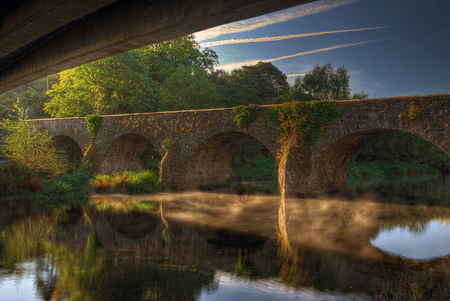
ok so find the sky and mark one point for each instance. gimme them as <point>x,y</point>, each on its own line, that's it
<point>390,47</point>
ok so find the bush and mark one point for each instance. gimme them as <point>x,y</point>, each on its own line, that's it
<point>12,178</point>
<point>128,182</point>
<point>32,148</point>
<point>64,188</point>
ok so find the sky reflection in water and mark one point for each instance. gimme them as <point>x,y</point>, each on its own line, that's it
<point>432,241</point>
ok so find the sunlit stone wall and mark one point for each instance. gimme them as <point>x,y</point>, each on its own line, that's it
<point>197,145</point>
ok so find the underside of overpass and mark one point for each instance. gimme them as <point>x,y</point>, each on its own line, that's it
<point>39,38</point>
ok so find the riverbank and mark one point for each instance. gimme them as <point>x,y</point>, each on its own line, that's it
<point>381,169</point>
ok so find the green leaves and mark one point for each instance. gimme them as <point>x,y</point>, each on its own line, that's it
<point>31,148</point>
<point>94,124</point>
<point>117,84</point>
<point>189,88</point>
<point>245,115</point>
<point>325,82</point>
<point>309,118</point>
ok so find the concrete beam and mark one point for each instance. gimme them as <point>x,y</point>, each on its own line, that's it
<point>122,26</point>
<point>28,21</point>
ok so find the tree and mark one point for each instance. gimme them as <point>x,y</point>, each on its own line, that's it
<point>325,83</point>
<point>167,57</point>
<point>29,146</point>
<point>189,88</point>
<point>239,91</point>
<point>32,96</point>
<point>117,84</point>
<point>266,78</point>
<point>360,95</point>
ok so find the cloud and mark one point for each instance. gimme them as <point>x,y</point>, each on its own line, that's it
<point>295,75</point>
<point>240,64</point>
<point>270,39</point>
<point>273,18</point>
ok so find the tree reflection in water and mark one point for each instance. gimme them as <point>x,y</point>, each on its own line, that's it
<point>130,249</point>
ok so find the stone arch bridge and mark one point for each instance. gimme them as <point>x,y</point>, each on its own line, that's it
<point>202,141</point>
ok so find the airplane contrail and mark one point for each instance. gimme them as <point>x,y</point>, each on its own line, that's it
<point>270,39</point>
<point>249,63</point>
<point>273,18</point>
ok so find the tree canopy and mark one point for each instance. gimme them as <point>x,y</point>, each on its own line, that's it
<point>189,89</point>
<point>165,58</point>
<point>117,84</point>
<point>266,78</point>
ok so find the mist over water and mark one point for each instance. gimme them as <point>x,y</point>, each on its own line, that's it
<point>220,246</point>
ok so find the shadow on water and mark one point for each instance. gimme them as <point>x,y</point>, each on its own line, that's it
<point>217,246</point>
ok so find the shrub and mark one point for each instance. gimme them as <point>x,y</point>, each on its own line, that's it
<point>64,188</point>
<point>32,148</point>
<point>145,181</point>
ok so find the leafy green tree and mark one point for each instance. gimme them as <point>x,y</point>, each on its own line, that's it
<point>117,84</point>
<point>266,78</point>
<point>189,88</point>
<point>31,95</point>
<point>325,83</point>
<point>167,57</point>
<point>239,91</point>
<point>29,146</point>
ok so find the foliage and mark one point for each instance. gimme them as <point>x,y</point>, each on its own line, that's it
<point>166,144</point>
<point>117,84</point>
<point>238,90</point>
<point>32,97</point>
<point>189,88</point>
<point>128,182</point>
<point>165,58</point>
<point>94,124</point>
<point>246,115</point>
<point>309,118</point>
<point>266,78</point>
<point>325,83</point>
<point>403,147</point>
<point>381,169</point>
<point>15,178</point>
<point>360,95</point>
<point>150,160</point>
<point>253,161</point>
<point>414,111</point>
<point>31,147</point>
<point>64,188</point>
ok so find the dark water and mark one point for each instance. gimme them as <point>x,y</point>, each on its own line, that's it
<point>217,246</point>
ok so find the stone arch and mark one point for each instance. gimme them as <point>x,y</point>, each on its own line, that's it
<point>71,150</point>
<point>329,166</point>
<point>125,153</point>
<point>209,165</point>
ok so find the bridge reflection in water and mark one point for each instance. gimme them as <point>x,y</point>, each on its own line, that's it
<point>210,246</point>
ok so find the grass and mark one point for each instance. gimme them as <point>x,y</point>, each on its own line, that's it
<point>130,182</point>
<point>15,180</point>
<point>380,169</point>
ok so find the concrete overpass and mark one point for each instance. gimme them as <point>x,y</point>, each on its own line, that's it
<point>39,38</point>
<point>202,142</point>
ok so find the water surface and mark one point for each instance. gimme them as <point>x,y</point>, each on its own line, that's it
<point>219,246</point>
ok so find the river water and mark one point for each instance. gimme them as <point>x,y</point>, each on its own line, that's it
<point>220,246</point>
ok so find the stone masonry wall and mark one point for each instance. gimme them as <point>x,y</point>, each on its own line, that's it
<point>201,142</point>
